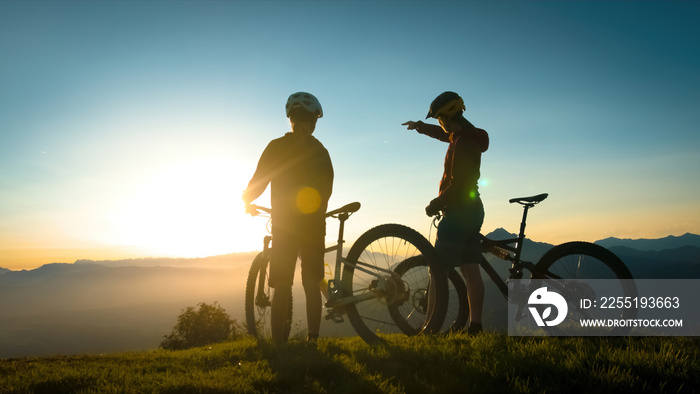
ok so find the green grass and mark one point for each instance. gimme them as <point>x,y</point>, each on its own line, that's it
<point>457,363</point>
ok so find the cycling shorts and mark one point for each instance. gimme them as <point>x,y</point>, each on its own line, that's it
<point>286,247</point>
<point>458,240</point>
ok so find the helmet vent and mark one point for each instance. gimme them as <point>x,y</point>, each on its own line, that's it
<point>304,100</point>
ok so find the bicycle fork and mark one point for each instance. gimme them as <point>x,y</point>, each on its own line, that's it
<point>261,298</point>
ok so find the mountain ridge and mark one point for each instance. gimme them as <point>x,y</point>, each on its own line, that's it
<point>680,258</point>
<point>653,244</point>
<point>96,306</point>
<point>532,251</point>
<point>218,261</point>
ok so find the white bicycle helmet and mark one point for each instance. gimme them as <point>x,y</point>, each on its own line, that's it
<point>306,101</point>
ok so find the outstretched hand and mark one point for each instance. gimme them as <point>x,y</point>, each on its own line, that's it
<point>410,125</point>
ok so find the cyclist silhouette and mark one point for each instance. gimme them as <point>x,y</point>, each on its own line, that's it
<point>458,243</point>
<point>299,171</point>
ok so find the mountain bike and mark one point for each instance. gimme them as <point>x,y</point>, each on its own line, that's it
<point>365,286</point>
<point>566,268</point>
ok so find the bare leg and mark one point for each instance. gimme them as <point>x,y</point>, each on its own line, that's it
<point>475,291</point>
<point>313,307</point>
<point>279,312</point>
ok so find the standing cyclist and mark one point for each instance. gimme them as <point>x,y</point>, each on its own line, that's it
<point>299,170</point>
<point>458,243</point>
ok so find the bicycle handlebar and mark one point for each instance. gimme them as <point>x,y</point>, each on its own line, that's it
<point>347,209</point>
<point>253,209</point>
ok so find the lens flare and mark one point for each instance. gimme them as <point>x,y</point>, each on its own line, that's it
<point>308,200</point>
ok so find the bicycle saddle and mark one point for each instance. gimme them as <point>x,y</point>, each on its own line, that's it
<point>349,208</point>
<point>529,200</point>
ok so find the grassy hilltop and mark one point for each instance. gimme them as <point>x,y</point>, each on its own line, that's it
<point>457,363</point>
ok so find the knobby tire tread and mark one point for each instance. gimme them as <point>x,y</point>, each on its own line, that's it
<point>257,268</point>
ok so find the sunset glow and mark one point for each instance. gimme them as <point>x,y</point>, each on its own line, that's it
<point>187,210</point>
<point>130,129</point>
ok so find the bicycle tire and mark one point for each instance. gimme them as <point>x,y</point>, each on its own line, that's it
<point>585,260</point>
<point>384,247</point>
<point>457,315</point>
<point>258,307</point>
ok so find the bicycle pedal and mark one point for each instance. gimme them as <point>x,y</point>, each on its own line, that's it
<point>334,316</point>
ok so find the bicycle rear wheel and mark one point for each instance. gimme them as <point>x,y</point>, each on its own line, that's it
<point>576,263</point>
<point>258,301</point>
<point>410,314</point>
<point>376,254</point>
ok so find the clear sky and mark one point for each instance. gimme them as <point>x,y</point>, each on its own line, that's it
<point>130,129</point>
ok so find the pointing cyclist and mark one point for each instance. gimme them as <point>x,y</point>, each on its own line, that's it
<point>458,243</point>
<point>299,171</point>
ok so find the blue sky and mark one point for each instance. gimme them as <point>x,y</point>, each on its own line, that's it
<point>131,128</point>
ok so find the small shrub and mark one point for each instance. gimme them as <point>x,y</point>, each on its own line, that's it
<point>202,326</point>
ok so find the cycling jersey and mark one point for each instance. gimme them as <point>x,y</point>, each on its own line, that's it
<point>457,240</point>
<point>295,167</point>
<point>300,175</point>
<point>459,183</point>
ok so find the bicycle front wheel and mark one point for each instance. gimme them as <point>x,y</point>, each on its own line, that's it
<point>384,297</point>
<point>258,301</point>
<point>588,269</point>
<point>407,315</point>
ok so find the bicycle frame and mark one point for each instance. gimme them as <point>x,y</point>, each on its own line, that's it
<point>334,297</point>
<point>511,250</point>
<point>503,249</point>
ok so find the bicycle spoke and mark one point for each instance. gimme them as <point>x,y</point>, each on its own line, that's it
<point>393,310</point>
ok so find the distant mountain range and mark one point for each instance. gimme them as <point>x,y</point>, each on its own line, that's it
<point>670,242</point>
<point>113,305</point>
<point>668,258</point>
<point>640,254</point>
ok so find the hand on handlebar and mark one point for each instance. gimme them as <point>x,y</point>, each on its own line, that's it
<point>251,209</point>
<point>433,209</point>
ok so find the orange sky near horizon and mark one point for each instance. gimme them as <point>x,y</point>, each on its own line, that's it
<point>541,228</point>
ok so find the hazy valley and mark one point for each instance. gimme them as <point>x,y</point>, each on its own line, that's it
<point>108,306</point>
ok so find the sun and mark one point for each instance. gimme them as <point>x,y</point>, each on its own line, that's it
<point>191,208</point>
